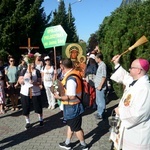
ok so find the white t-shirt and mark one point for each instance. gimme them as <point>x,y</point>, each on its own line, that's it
<point>25,87</point>
<point>71,88</point>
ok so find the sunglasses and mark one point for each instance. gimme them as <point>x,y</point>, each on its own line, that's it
<point>11,60</point>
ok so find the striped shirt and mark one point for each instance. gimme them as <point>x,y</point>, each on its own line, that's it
<point>101,72</point>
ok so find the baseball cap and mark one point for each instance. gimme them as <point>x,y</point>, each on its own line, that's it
<point>88,54</point>
<point>92,56</point>
<point>46,57</point>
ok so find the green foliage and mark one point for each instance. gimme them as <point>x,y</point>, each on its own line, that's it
<point>72,33</point>
<point>66,20</point>
<point>3,55</point>
<point>20,19</point>
<point>93,42</point>
<point>121,30</point>
<point>126,2</point>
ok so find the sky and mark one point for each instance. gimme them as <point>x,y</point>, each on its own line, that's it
<point>88,14</point>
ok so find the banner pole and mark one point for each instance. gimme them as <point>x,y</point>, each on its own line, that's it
<point>55,62</point>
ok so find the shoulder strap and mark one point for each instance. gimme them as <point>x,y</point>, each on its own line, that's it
<point>71,75</point>
<point>23,71</point>
<point>43,67</point>
<point>7,67</point>
<point>38,73</point>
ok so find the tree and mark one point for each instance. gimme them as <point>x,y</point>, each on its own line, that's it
<point>93,42</point>
<point>121,30</point>
<point>66,20</point>
<point>19,20</point>
<point>72,33</point>
<point>125,2</point>
<point>60,16</point>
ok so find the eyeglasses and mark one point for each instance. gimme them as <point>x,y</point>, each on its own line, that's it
<point>11,60</point>
<point>135,68</point>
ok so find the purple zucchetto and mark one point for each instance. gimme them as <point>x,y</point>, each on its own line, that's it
<point>144,64</point>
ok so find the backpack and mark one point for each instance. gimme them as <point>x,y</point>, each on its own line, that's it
<point>84,96</point>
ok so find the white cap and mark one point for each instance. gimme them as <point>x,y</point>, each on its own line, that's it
<point>92,56</point>
<point>37,54</point>
<point>46,57</point>
<point>87,54</point>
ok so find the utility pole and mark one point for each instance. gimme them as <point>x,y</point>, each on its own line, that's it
<point>71,5</point>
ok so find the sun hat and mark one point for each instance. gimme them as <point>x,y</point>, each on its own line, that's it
<point>37,54</point>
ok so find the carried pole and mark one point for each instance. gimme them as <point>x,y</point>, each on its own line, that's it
<point>29,48</point>
<point>55,62</point>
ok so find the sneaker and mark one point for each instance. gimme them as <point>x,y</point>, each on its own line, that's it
<point>41,124</point>
<point>16,109</point>
<point>13,109</point>
<point>49,107</point>
<point>97,116</point>
<point>2,111</point>
<point>82,147</point>
<point>28,125</point>
<point>64,121</point>
<point>52,107</point>
<point>64,145</point>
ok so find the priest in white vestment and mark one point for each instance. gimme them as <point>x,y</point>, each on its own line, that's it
<point>134,106</point>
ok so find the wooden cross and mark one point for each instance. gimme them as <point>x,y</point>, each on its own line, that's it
<point>29,47</point>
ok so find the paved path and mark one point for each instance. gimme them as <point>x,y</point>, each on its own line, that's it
<point>13,136</point>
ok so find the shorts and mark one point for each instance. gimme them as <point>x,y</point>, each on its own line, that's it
<point>26,104</point>
<point>75,123</point>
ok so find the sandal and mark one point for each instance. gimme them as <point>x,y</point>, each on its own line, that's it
<point>16,109</point>
<point>5,107</point>
<point>13,109</point>
<point>2,112</point>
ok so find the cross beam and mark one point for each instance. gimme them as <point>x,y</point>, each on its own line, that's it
<point>29,47</point>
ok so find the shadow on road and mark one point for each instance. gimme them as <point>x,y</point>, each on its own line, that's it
<point>101,129</point>
<point>50,124</point>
